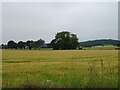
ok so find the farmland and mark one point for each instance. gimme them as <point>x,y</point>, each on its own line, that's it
<point>60,68</point>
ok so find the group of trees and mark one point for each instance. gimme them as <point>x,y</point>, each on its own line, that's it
<point>24,45</point>
<point>62,41</point>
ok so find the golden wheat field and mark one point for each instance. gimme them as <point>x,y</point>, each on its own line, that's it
<point>60,68</point>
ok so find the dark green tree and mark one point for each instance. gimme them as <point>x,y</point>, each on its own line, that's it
<point>73,41</point>
<point>29,44</point>
<point>34,45</point>
<point>4,46</point>
<point>38,44</point>
<point>12,45</point>
<point>65,40</point>
<point>21,45</point>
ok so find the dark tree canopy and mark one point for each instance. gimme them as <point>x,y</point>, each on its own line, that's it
<point>65,40</point>
<point>4,46</point>
<point>11,44</point>
<point>38,44</point>
<point>30,44</point>
<point>21,44</point>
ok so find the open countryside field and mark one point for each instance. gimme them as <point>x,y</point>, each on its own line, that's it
<point>106,47</point>
<point>60,68</point>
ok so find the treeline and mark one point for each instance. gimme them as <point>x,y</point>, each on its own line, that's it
<point>101,42</point>
<point>63,40</point>
<point>30,44</point>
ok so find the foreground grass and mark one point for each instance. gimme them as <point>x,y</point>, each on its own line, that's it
<point>60,68</point>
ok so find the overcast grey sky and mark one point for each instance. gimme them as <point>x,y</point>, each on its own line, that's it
<point>32,21</point>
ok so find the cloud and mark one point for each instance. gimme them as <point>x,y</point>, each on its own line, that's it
<point>24,21</point>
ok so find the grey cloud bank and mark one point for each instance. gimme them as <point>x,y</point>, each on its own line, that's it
<point>26,21</point>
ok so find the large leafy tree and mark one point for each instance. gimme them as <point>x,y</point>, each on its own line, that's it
<point>21,44</point>
<point>29,44</point>
<point>11,44</point>
<point>65,40</point>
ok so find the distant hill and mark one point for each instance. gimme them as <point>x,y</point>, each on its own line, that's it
<point>101,42</point>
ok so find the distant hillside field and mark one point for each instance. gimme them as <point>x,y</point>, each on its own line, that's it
<point>106,47</point>
<point>101,42</point>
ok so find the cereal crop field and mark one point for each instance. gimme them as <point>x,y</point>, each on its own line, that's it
<point>60,68</point>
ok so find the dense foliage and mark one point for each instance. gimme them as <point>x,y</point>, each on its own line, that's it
<point>24,45</point>
<point>65,40</point>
